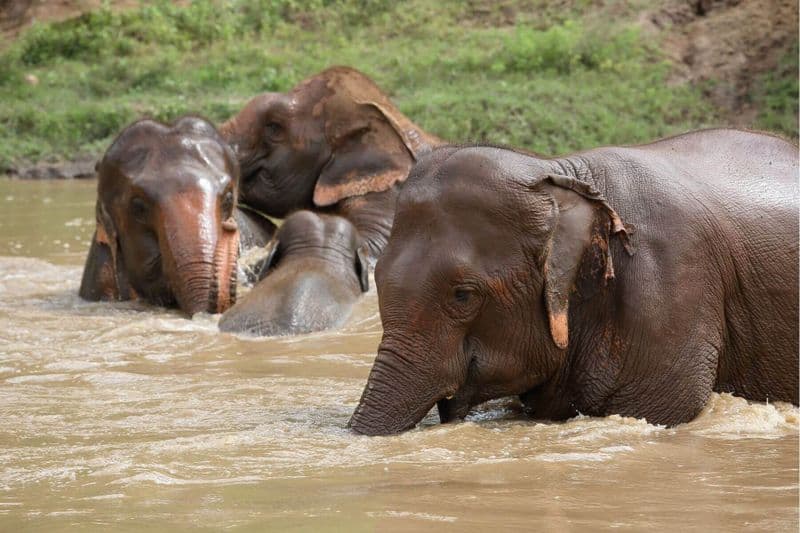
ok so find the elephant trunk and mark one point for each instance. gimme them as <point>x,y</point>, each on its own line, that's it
<point>397,395</point>
<point>199,258</point>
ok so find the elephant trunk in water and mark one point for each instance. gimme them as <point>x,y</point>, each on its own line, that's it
<point>199,261</point>
<point>400,392</point>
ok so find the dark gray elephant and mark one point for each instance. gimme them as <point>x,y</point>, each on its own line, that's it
<point>316,272</point>
<point>168,230</point>
<point>632,280</point>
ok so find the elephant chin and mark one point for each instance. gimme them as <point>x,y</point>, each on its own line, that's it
<point>452,409</point>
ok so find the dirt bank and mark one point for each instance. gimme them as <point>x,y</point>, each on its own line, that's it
<point>725,46</point>
<point>16,15</point>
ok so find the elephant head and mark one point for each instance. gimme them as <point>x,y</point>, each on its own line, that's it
<point>314,273</point>
<point>334,136</point>
<point>165,227</point>
<point>475,281</point>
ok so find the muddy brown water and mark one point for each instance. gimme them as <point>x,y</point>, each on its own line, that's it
<point>127,417</point>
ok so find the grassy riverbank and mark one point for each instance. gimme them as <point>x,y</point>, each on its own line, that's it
<point>554,80</point>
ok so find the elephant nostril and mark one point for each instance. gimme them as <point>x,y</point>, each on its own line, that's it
<point>230,225</point>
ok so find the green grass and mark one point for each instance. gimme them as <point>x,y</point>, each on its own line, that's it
<point>776,96</point>
<point>557,81</point>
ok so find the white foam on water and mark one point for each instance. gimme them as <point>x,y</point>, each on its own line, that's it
<point>730,417</point>
<point>572,457</point>
<point>159,478</point>
<point>413,515</point>
<point>40,378</point>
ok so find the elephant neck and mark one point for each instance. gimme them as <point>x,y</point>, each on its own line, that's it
<point>255,229</point>
<point>576,166</point>
<point>427,143</point>
<point>372,214</point>
<point>333,254</point>
<point>331,263</point>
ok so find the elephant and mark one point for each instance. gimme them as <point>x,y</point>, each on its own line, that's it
<point>168,230</point>
<point>334,144</point>
<point>316,272</point>
<point>619,280</point>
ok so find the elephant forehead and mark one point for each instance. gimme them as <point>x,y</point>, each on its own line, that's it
<point>435,235</point>
<point>466,171</point>
<point>456,200</point>
<point>184,179</point>
<point>312,90</point>
<point>306,227</point>
<point>165,176</point>
<point>204,151</point>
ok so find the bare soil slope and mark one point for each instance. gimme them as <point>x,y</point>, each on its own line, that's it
<point>15,15</point>
<point>725,45</point>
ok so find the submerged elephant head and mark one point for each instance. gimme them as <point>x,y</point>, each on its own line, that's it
<point>475,282</point>
<point>316,271</point>
<point>165,228</point>
<point>333,136</point>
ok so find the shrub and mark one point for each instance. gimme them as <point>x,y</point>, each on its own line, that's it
<point>776,95</point>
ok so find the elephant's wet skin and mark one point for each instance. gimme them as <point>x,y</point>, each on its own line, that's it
<point>631,281</point>
<point>167,228</point>
<point>255,230</point>
<point>335,144</point>
<point>317,271</point>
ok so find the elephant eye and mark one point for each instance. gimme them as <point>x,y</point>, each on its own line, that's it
<point>465,302</point>
<point>273,130</point>
<point>462,296</point>
<point>227,205</point>
<point>139,210</point>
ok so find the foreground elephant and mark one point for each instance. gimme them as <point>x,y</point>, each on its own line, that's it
<point>317,271</point>
<point>508,274</point>
<point>334,144</point>
<point>167,228</point>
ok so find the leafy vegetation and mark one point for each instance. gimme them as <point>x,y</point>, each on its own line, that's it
<point>776,96</point>
<point>556,81</point>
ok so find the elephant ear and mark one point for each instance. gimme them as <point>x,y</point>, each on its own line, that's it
<point>104,276</point>
<point>371,150</point>
<point>583,218</point>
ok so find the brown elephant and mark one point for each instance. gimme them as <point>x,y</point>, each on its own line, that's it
<point>316,272</point>
<point>167,225</point>
<point>333,144</point>
<point>509,274</point>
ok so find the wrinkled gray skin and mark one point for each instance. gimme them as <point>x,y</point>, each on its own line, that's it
<point>255,230</point>
<point>317,271</point>
<point>632,280</point>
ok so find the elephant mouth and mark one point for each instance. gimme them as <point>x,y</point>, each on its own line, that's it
<point>457,405</point>
<point>252,168</point>
<point>453,408</point>
<point>252,175</point>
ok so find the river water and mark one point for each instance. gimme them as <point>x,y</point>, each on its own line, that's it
<point>126,417</point>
